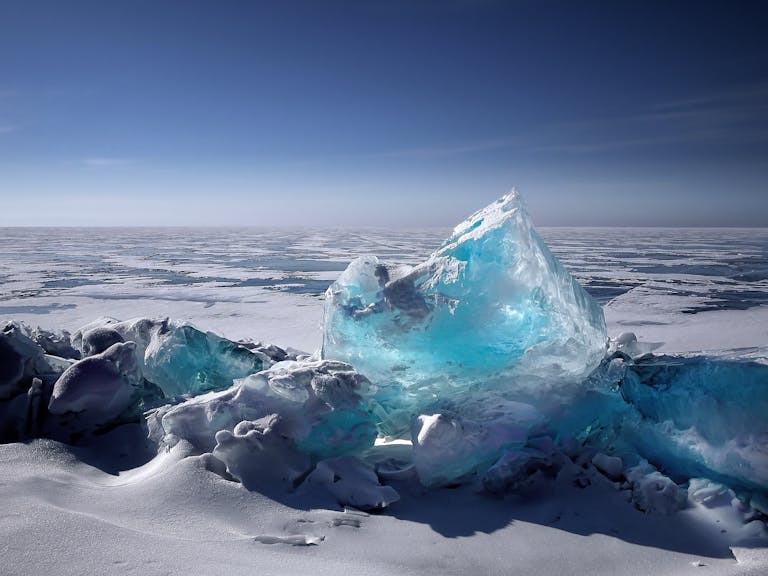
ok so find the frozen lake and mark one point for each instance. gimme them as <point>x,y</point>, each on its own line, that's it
<point>268,284</point>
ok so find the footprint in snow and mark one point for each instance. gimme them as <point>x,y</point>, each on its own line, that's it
<point>354,522</point>
<point>295,540</point>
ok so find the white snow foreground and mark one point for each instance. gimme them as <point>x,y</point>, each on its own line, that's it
<point>175,516</point>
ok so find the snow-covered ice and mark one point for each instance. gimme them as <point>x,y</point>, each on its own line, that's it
<point>318,407</point>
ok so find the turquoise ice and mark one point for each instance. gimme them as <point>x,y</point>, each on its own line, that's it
<point>176,357</point>
<point>700,416</point>
<point>492,308</point>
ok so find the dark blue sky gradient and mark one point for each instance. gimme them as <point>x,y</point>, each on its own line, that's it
<point>382,113</point>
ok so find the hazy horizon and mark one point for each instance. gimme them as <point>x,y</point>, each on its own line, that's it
<point>391,114</point>
<point>394,226</point>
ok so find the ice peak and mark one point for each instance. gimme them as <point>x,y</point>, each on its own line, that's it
<point>511,205</point>
<point>492,304</point>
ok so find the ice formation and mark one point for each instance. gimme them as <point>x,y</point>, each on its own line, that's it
<point>178,358</point>
<point>319,407</point>
<point>455,442</point>
<point>296,420</point>
<point>96,340</point>
<point>492,308</point>
<point>98,388</point>
<point>260,454</point>
<point>466,348</point>
<point>489,357</point>
<point>652,491</point>
<point>27,374</point>
<point>126,368</point>
<point>695,416</point>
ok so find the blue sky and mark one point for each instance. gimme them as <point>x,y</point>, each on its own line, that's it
<point>382,112</point>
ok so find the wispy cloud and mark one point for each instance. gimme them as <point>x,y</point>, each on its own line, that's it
<point>449,150</point>
<point>720,118</point>
<point>106,162</point>
<point>7,128</point>
<point>745,97</point>
<point>723,118</point>
<point>605,145</point>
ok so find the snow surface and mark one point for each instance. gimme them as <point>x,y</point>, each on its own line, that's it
<point>174,516</point>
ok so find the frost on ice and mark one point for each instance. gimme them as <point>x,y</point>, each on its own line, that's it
<point>298,419</point>
<point>319,406</point>
<point>492,308</point>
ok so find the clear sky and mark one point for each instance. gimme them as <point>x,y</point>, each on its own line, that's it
<point>382,112</point>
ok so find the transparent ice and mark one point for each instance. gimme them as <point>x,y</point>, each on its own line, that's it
<point>490,344</point>
<point>491,309</point>
<point>697,416</point>
<point>176,357</point>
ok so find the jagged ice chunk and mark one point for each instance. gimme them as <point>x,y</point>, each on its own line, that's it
<point>178,358</point>
<point>492,308</point>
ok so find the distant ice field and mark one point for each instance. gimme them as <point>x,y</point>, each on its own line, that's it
<point>690,289</point>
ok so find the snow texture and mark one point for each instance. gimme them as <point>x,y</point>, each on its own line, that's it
<point>352,483</point>
<point>98,388</point>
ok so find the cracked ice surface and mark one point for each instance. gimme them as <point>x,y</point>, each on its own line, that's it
<point>492,308</point>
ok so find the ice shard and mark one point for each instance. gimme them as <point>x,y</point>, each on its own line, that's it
<point>184,360</point>
<point>176,357</point>
<point>492,308</point>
